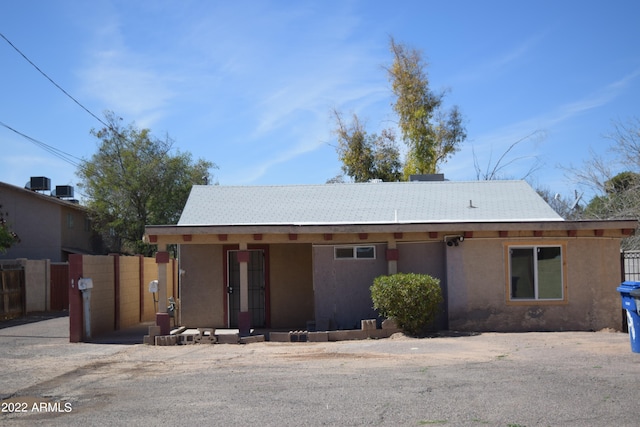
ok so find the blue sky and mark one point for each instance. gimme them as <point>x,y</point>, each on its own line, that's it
<point>249,85</point>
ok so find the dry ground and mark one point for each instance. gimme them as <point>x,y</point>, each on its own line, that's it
<point>568,378</point>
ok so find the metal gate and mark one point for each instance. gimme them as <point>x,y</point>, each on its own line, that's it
<point>256,288</point>
<point>59,286</point>
<point>12,291</point>
<point>630,265</point>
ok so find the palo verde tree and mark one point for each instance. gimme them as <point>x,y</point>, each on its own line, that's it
<point>134,180</point>
<point>431,133</point>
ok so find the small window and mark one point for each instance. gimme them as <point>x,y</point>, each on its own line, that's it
<point>355,252</point>
<point>69,220</point>
<point>366,252</point>
<point>536,273</point>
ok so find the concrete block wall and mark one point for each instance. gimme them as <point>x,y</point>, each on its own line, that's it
<point>132,285</point>
<point>150,269</point>
<point>101,270</point>
<point>129,293</point>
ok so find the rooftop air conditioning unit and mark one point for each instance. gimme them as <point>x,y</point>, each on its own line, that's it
<point>39,183</point>
<point>63,191</point>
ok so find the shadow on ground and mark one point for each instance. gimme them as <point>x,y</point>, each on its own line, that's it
<point>32,318</point>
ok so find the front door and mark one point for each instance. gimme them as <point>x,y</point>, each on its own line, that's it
<point>257,287</point>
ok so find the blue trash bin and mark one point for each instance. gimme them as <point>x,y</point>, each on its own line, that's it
<point>630,294</point>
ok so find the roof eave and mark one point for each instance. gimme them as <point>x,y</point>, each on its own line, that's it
<point>544,225</point>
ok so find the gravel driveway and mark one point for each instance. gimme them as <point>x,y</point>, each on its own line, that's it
<point>488,379</point>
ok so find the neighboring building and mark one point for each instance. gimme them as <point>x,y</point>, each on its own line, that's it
<point>49,226</point>
<point>298,256</point>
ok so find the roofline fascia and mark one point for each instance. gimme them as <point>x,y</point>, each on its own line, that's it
<point>167,230</point>
<point>45,197</point>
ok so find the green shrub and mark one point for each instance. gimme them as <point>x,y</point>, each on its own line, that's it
<point>412,300</point>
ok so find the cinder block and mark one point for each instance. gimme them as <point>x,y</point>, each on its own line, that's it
<point>185,339</point>
<point>206,331</point>
<point>389,324</point>
<point>154,331</point>
<point>205,336</point>
<point>205,339</point>
<point>228,338</point>
<point>353,334</point>
<point>318,336</point>
<point>280,336</point>
<point>368,324</point>
<point>178,331</point>
<point>251,339</point>
<point>166,340</point>
<point>148,340</point>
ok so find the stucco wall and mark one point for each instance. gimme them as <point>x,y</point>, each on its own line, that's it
<point>203,292</point>
<point>101,270</point>
<point>342,288</point>
<point>477,291</point>
<point>75,234</point>
<point>203,286</point>
<point>427,258</point>
<point>36,221</point>
<point>37,286</point>
<point>291,285</point>
<point>129,295</point>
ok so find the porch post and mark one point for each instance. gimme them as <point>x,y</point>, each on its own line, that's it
<point>244,317</point>
<point>162,317</point>
<point>162,259</point>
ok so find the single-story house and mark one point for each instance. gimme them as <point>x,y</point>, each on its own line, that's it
<point>303,256</point>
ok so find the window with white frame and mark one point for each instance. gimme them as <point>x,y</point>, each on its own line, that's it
<point>536,273</point>
<point>355,252</point>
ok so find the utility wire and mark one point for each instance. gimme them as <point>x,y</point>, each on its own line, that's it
<point>69,158</point>
<point>53,82</point>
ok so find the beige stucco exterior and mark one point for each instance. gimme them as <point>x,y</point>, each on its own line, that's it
<point>306,283</point>
<point>478,288</point>
<point>291,285</point>
<point>203,292</point>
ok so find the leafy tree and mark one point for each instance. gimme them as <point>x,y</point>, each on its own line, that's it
<point>412,300</point>
<point>133,180</point>
<point>366,156</point>
<point>7,237</point>
<point>432,135</point>
<point>616,194</point>
<point>621,198</point>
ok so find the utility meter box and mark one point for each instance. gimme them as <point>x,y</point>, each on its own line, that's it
<point>84,284</point>
<point>153,286</point>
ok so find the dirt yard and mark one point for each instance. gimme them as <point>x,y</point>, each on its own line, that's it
<point>569,379</point>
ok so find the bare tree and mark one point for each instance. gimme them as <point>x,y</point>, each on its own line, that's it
<point>615,182</point>
<point>494,171</point>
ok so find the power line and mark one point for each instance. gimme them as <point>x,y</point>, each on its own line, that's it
<point>53,82</point>
<point>69,158</point>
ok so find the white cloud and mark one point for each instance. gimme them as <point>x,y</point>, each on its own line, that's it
<point>487,148</point>
<point>124,81</point>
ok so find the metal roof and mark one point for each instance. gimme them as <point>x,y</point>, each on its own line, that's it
<point>366,203</point>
